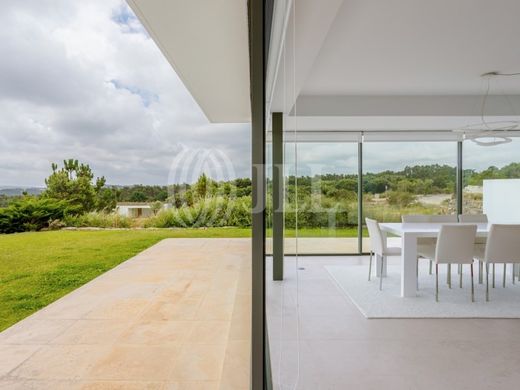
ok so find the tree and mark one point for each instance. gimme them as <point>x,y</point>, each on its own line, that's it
<point>75,183</point>
<point>138,196</point>
<point>202,186</point>
<point>156,206</point>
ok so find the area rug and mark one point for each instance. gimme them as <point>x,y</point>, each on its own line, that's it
<point>453,303</point>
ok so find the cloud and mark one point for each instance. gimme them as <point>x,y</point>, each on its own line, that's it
<point>84,80</point>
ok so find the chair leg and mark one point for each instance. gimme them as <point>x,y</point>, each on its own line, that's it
<point>487,282</point>
<point>493,275</point>
<point>381,274</point>
<point>449,276</point>
<point>504,277</point>
<point>513,272</point>
<point>370,266</point>
<point>480,272</point>
<point>436,282</point>
<point>472,285</point>
<point>459,268</point>
<point>460,276</point>
<point>431,266</point>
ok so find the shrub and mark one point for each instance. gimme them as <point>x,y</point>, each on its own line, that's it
<point>98,220</point>
<point>400,198</point>
<point>208,212</point>
<point>32,214</point>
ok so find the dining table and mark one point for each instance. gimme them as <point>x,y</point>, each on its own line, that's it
<point>410,232</point>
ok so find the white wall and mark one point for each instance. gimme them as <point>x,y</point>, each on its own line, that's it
<point>502,200</point>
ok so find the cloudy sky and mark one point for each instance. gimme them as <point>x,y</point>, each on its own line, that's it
<point>82,79</point>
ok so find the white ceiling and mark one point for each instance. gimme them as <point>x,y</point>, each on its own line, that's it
<point>417,47</point>
<point>377,65</point>
<point>206,42</point>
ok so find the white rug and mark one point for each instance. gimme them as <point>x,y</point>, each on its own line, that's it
<point>453,303</point>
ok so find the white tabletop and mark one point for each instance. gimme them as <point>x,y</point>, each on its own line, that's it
<point>425,229</point>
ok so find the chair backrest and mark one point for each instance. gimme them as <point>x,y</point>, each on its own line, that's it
<point>415,218</point>
<point>377,242</point>
<point>455,244</point>
<point>423,218</point>
<point>448,218</point>
<point>473,218</point>
<point>503,244</point>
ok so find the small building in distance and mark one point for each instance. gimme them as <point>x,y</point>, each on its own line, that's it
<point>137,209</point>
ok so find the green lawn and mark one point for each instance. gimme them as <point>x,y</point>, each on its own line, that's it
<point>38,268</point>
<point>322,232</point>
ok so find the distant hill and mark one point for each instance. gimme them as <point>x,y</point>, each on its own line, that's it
<point>15,191</point>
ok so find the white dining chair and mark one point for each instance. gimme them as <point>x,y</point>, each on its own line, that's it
<point>427,245</point>
<point>480,242</point>
<point>415,218</point>
<point>455,245</point>
<point>446,218</point>
<point>503,247</point>
<point>379,248</point>
<point>473,218</point>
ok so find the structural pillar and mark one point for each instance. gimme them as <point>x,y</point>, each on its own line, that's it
<point>278,195</point>
<point>360,197</point>
<point>260,372</point>
<point>460,184</point>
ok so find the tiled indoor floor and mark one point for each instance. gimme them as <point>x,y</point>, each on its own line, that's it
<point>337,348</point>
<point>176,316</point>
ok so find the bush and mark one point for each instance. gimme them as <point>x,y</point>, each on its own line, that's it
<point>400,198</point>
<point>208,212</point>
<point>32,214</point>
<point>98,220</point>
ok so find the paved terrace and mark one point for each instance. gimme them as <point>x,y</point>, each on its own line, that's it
<point>176,316</point>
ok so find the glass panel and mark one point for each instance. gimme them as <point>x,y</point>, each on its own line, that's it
<point>269,199</point>
<point>323,179</point>
<point>486,163</point>
<point>408,178</point>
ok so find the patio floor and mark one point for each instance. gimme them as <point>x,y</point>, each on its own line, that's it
<point>321,245</point>
<point>313,323</point>
<point>176,316</point>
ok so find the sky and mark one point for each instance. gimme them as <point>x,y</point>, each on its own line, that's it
<point>83,80</point>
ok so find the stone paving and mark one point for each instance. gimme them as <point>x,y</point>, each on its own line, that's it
<point>176,316</point>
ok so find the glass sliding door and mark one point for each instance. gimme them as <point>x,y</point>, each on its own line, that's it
<point>321,182</point>
<point>482,163</point>
<point>408,178</point>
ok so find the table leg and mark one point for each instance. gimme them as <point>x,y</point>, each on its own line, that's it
<point>409,266</point>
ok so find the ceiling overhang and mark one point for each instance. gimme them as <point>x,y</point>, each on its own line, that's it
<point>206,42</point>
<point>368,65</point>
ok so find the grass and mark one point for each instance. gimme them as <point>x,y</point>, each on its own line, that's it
<point>38,268</point>
<point>321,232</point>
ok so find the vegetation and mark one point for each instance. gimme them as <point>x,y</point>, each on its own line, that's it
<point>74,184</point>
<point>74,198</point>
<point>31,214</point>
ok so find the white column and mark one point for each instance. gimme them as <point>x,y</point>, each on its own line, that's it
<point>409,265</point>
